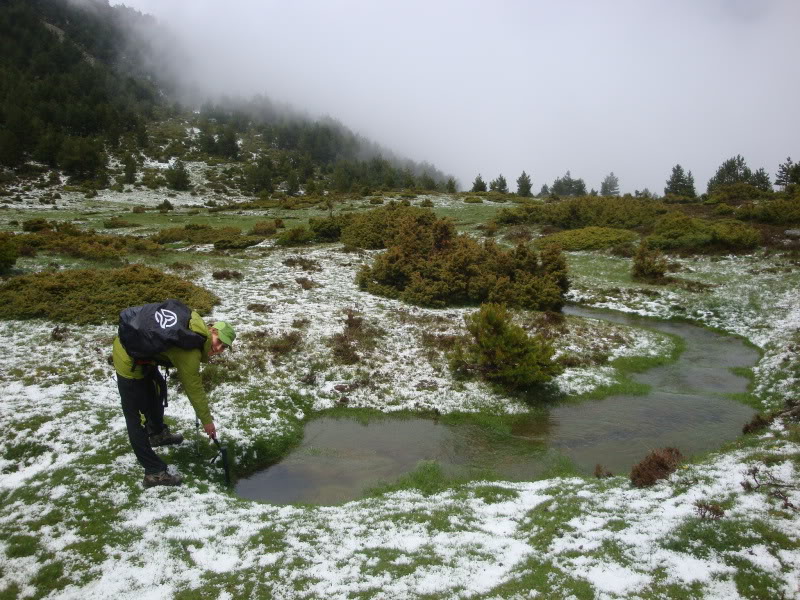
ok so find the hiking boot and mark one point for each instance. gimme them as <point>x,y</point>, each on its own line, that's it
<point>162,478</point>
<point>165,438</point>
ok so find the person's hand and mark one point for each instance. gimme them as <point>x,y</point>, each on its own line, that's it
<point>211,431</point>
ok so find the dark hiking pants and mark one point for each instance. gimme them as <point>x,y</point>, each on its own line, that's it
<point>141,397</point>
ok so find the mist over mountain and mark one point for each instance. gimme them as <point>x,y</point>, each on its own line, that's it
<point>544,87</point>
<point>82,79</point>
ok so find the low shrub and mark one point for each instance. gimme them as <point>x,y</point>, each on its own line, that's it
<point>71,241</point>
<point>9,252</point>
<point>297,236</point>
<point>227,274</point>
<point>658,464</point>
<point>304,263</point>
<point>377,228</point>
<point>180,266</point>
<point>285,343</point>
<point>780,211</point>
<point>264,228</point>
<point>260,307</point>
<point>328,229</point>
<point>737,193</point>
<point>502,353</point>
<point>428,264</point>
<point>519,234</point>
<point>473,200</point>
<point>588,211</point>
<point>601,472</point>
<point>590,238</point>
<point>723,209</point>
<point>709,510</point>
<point>677,199</point>
<point>238,243</point>
<point>680,233</point>
<point>649,265</point>
<point>33,225</point>
<point>95,295</point>
<point>307,284</point>
<point>735,235</point>
<point>357,336</point>
<point>195,233</point>
<point>262,342</point>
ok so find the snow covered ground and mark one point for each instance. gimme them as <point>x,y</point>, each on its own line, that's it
<point>75,522</point>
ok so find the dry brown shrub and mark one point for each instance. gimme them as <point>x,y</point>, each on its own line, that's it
<point>285,343</point>
<point>601,472</point>
<point>260,307</point>
<point>304,263</point>
<point>709,510</point>
<point>659,464</point>
<point>306,283</point>
<point>226,274</point>
<point>356,336</point>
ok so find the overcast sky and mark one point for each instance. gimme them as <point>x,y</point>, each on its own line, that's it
<point>629,86</point>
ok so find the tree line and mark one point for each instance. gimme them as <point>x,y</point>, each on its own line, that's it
<point>680,183</point>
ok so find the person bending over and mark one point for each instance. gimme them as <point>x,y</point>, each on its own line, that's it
<point>143,389</point>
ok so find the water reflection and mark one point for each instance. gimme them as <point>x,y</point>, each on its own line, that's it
<point>339,458</point>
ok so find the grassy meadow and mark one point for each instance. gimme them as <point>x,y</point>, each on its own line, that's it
<point>75,521</point>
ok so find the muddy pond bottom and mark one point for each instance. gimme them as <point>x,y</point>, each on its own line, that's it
<point>689,407</point>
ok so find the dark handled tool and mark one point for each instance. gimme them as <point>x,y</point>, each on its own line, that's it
<point>222,452</point>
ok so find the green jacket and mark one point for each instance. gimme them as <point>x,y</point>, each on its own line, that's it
<point>187,363</point>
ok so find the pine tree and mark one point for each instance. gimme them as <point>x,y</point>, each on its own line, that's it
<point>479,185</point>
<point>129,164</point>
<point>82,157</point>
<point>292,184</point>
<point>784,175</point>
<point>680,183</point>
<point>206,141</point>
<point>503,353</point>
<point>177,176</point>
<point>11,151</point>
<point>524,185</point>
<point>499,185</point>
<point>733,170</point>
<point>426,182</point>
<point>760,179</point>
<point>451,185</point>
<point>257,177</point>
<point>567,186</point>
<point>544,192</point>
<point>610,185</point>
<point>227,144</point>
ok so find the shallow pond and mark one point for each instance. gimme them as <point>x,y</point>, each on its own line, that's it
<point>688,407</point>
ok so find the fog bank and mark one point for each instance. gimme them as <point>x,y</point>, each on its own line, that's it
<point>626,86</point>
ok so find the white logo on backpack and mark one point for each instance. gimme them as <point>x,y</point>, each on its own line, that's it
<point>166,318</point>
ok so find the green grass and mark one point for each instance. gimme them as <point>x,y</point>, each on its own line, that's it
<point>88,511</point>
<point>544,577</point>
<point>428,478</point>
<point>704,538</point>
<point>467,216</point>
